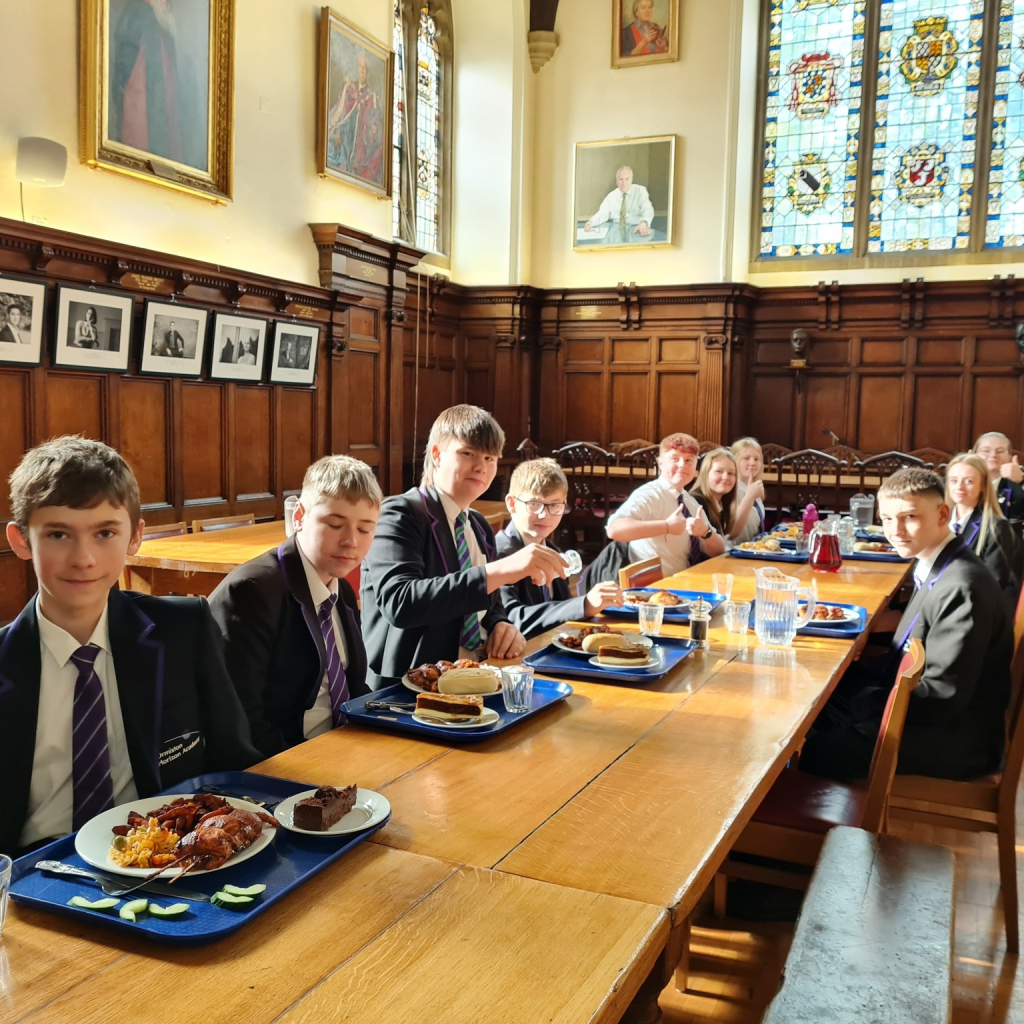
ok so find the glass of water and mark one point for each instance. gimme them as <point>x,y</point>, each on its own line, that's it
<point>517,688</point>
<point>737,616</point>
<point>721,583</point>
<point>651,618</point>
<point>573,562</point>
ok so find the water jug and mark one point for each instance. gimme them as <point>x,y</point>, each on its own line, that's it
<point>826,555</point>
<point>777,615</point>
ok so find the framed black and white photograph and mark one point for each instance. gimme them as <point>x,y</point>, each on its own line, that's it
<point>94,329</point>
<point>294,357</point>
<point>173,339</point>
<point>239,347</point>
<point>22,304</point>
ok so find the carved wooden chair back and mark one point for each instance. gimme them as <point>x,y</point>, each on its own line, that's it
<point>810,476</point>
<point>880,467</point>
<point>527,450</point>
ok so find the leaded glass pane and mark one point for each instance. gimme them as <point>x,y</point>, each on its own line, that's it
<point>1005,221</point>
<point>397,126</point>
<point>926,115</point>
<point>812,127</point>
<point>428,134</point>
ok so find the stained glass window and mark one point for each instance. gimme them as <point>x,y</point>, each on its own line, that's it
<point>812,127</point>
<point>1005,216</point>
<point>398,126</point>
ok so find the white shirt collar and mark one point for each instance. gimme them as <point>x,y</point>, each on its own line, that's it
<point>450,506</point>
<point>923,568</point>
<point>963,521</point>
<point>61,644</point>
<point>317,590</point>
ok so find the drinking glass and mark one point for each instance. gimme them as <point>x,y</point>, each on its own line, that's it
<point>651,618</point>
<point>862,509</point>
<point>777,616</point>
<point>5,888</point>
<point>721,583</point>
<point>517,688</point>
<point>573,562</point>
<point>737,616</point>
<point>289,510</point>
<point>803,543</point>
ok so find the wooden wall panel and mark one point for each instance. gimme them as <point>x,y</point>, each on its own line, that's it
<point>253,445</point>
<point>938,412</point>
<point>995,405</point>
<point>677,405</point>
<point>880,412</point>
<point>202,458</point>
<point>75,405</point>
<point>629,415</point>
<point>145,437</point>
<point>771,412</point>
<point>297,416</point>
<point>362,369</point>
<point>584,407</point>
<point>15,429</point>
<point>827,399</point>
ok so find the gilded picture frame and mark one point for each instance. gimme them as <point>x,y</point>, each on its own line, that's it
<point>623,194</point>
<point>169,122</point>
<point>644,32</point>
<point>355,98</point>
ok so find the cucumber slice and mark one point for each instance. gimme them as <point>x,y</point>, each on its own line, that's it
<point>108,903</point>
<point>230,902</point>
<point>131,908</point>
<point>174,910</point>
<point>252,890</point>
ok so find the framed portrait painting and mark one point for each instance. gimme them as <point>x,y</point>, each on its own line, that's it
<point>356,85</point>
<point>156,91</point>
<point>22,305</point>
<point>644,32</point>
<point>173,339</point>
<point>239,347</point>
<point>623,193</point>
<point>294,357</point>
<point>94,329</point>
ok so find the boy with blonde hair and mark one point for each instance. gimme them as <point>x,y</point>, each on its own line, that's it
<point>289,617</point>
<point>537,501</point>
<point>431,582</point>
<point>106,696</point>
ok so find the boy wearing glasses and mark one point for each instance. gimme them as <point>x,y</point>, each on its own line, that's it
<point>537,501</point>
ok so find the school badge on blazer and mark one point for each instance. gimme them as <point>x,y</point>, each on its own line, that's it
<point>177,747</point>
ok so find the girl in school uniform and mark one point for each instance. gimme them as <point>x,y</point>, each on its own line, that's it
<point>749,490</point>
<point>978,520</point>
<point>716,490</point>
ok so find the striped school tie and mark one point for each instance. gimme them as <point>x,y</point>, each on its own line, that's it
<point>470,637</point>
<point>337,684</point>
<point>93,790</point>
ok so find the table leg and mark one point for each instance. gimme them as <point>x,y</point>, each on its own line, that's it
<point>675,957</point>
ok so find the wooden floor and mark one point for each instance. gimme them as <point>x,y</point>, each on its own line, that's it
<point>736,965</point>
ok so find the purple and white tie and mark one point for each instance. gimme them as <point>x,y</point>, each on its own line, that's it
<point>90,753</point>
<point>337,684</point>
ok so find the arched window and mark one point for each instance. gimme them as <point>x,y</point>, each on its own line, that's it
<point>421,147</point>
<point>891,128</point>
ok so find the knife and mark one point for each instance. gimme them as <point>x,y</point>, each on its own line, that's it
<point>110,883</point>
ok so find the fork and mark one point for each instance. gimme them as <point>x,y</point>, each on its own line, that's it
<point>389,705</point>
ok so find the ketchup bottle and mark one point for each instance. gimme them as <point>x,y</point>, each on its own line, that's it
<point>810,518</point>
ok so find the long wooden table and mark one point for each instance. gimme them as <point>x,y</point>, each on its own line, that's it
<point>545,875</point>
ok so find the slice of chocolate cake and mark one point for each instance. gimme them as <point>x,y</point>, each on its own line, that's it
<point>325,808</point>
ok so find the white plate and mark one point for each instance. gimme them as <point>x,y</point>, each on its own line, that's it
<point>651,662</point>
<point>849,615</point>
<point>92,843</point>
<point>489,717</point>
<point>628,602</point>
<point>369,809</point>
<point>636,638</point>
<point>410,685</point>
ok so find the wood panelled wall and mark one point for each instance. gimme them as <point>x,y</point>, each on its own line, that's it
<point>904,365</point>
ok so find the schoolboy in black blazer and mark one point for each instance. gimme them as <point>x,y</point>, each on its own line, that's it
<point>274,643</point>
<point>145,675</point>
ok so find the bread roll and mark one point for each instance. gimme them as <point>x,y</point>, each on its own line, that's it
<point>597,640</point>
<point>468,680</point>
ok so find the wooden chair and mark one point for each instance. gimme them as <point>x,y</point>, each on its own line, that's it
<point>792,821</point>
<point>771,452</point>
<point>640,574</point>
<point>586,468</point>
<point>527,450</point>
<point>703,447</point>
<point>815,475</point>
<point>938,458</point>
<point>843,451</point>
<point>982,805</point>
<point>624,448</point>
<point>223,523</point>
<point>884,465</point>
<point>158,530</point>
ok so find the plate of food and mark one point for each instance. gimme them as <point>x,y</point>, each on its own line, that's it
<point>878,547</point>
<point>328,811</point>
<point>187,835</point>
<point>628,655</point>
<point>870,533</point>
<point>824,612</point>
<point>767,547</point>
<point>668,598</point>
<point>453,711</point>
<point>587,639</point>
<point>456,677</point>
<point>675,602</point>
<point>790,531</point>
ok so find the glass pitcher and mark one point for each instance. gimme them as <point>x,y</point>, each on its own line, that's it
<point>777,616</point>
<point>826,555</point>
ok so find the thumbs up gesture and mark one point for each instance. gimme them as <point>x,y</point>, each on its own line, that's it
<point>1012,470</point>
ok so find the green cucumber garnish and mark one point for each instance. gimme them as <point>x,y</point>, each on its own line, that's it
<point>131,908</point>
<point>252,890</point>
<point>81,902</point>
<point>174,910</point>
<point>230,902</point>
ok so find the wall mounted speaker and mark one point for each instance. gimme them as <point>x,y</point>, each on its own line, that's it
<point>41,162</point>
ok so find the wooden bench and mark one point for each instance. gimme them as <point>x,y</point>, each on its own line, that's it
<point>874,943</point>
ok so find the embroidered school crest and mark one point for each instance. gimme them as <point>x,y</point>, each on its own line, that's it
<point>814,84</point>
<point>929,56</point>
<point>922,175</point>
<point>809,184</point>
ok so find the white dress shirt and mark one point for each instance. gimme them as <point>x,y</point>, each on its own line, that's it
<point>476,556</point>
<point>923,566</point>
<point>657,500</point>
<point>962,522</point>
<point>51,791</point>
<point>318,718</point>
<point>755,519</point>
<point>638,207</point>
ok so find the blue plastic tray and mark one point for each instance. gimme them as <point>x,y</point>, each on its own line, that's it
<point>838,630</point>
<point>875,556</point>
<point>769,556</point>
<point>545,693</point>
<point>671,614</point>
<point>285,864</point>
<point>561,663</point>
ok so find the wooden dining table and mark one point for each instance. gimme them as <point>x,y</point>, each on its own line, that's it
<point>546,874</point>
